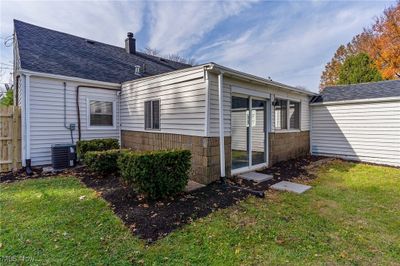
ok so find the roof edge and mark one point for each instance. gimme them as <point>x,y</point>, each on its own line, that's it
<point>165,74</point>
<point>260,79</point>
<point>369,100</point>
<point>358,84</point>
<point>62,77</point>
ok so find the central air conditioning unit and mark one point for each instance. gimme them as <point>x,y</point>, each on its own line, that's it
<point>63,156</point>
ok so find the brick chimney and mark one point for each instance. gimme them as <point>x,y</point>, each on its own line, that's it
<point>130,44</point>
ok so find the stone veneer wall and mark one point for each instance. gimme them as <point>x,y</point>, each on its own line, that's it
<point>288,145</point>
<point>205,150</point>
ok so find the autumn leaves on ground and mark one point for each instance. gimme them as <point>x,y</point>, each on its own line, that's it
<point>349,217</point>
<point>372,55</point>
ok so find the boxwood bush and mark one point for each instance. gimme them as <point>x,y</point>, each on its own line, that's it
<point>157,174</point>
<point>103,162</point>
<point>83,146</point>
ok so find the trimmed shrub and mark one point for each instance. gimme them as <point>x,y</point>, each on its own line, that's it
<point>83,146</point>
<point>157,174</point>
<point>103,162</point>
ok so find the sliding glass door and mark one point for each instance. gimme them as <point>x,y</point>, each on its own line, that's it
<point>258,130</point>
<point>248,131</point>
<point>240,132</point>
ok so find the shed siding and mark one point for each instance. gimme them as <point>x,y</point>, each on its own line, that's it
<point>47,115</point>
<point>182,98</point>
<point>364,131</point>
<point>274,91</point>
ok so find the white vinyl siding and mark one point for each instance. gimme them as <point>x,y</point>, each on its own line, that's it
<point>47,115</point>
<point>360,131</point>
<point>182,102</point>
<point>274,91</point>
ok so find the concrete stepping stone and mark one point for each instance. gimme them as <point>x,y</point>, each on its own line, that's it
<point>192,185</point>
<point>256,177</point>
<point>291,187</point>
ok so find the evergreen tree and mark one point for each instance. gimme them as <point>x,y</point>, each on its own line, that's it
<point>357,69</point>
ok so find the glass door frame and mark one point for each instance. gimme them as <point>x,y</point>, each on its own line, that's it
<point>267,127</point>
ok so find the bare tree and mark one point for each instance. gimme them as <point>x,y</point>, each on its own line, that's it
<point>173,57</point>
<point>181,59</point>
<point>151,51</point>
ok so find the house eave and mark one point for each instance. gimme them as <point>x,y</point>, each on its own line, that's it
<point>253,78</point>
<point>69,78</point>
<point>370,100</point>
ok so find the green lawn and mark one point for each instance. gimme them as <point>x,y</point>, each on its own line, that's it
<point>351,216</point>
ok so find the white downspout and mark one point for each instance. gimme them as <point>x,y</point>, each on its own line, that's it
<point>221,122</point>
<point>23,127</point>
<point>27,118</point>
<point>310,113</point>
<point>119,117</point>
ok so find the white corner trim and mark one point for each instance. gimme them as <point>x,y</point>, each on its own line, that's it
<point>207,103</point>
<point>68,78</point>
<point>221,123</point>
<point>105,99</point>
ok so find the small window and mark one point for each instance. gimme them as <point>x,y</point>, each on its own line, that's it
<point>152,114</point>
<point>294,115</point>
<point>280,109</point>
<point>101,113</point>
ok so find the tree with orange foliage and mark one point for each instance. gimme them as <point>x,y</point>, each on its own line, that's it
<point>381,42</point>
<point>385,45</point>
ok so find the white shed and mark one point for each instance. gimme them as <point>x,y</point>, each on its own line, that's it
<point>358,122</point>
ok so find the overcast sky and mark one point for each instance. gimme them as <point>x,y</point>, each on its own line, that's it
<point>289,41</point>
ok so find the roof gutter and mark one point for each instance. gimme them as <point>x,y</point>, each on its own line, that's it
<point>257,79</point>
<point>69,78</point>
<point>373,100</point>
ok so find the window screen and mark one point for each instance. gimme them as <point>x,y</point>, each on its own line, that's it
<point>101,113</point>
<point>152,114</point>
<point>294,115</point>
<point>280,109</point>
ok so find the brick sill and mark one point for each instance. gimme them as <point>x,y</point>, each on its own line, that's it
<point>288,131</point>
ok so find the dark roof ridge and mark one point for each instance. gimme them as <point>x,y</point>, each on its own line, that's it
<point>55,52</point>
<point>361,83</point>
<point>148,56</point>
<point>65,33</point>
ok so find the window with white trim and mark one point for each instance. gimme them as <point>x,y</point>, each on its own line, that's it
<point>287,114</point>
<point>152,114</point>
<point>101,113</point>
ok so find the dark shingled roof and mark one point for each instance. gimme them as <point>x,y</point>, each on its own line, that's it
<point>49,51</point>
<point>371,90</point>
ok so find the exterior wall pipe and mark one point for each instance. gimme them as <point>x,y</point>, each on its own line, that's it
<point>27,125</point>
<point>23,123</point>
<point>119,119</point>
<point>221,123</point>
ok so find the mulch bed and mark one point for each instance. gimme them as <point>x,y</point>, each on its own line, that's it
<point>19,175</point>
<point>151,220</point>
